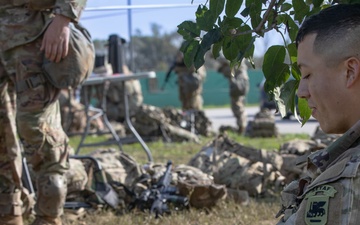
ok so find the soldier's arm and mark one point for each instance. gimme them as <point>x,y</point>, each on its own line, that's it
<point>55,41</point>
<point>71,9</point>
<point>56,37</point>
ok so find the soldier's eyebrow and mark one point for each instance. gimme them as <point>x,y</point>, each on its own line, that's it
<point>302,65</point>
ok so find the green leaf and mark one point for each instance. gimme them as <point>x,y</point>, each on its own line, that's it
<point>278,76</point>
<point>276,73</point>
<point>305,111</point>
<point>270,19</point>
<point>189,30</point>
<point>205,19</point>
<point>255,12</point>
<point>216,7</point>
<point>235,47</point>
<point>317,3</point>
<point>250,49</point>
<point>193,53</point>
<point>199,59</point>
<point>231,23</point>
<point>292,52</point>
<point>291,26</point>
<point>230,49</point>
<point>280,105</point>
<point>232,7</point>
<point>244,43</point>
<point>295,71</point>
<point>301,10</point>
<point>293,29</point>
<point>288,95</point>
<point>275,55</point>
<point>285,7</point>
<point>245,12</point>
<point>211,37</point>
<point>216,48</point>
<point>190,49</point>
<point>314,10</point>
<point>281,18</point>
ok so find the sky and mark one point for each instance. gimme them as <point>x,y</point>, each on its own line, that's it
<point>103,22</point>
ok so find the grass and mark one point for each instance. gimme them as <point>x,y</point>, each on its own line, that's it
<point>181,153</point>
<point>259,211</point>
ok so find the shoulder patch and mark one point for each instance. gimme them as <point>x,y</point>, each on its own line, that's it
<point>317,206</point>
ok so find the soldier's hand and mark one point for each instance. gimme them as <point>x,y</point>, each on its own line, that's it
<point>55,42</point>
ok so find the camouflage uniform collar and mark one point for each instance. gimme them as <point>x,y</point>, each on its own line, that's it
<point>324,158</point>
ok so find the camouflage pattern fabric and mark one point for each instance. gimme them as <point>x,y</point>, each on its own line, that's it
<point>121,168</point>
<point>238,88</point>
<point>37,109</point>
<point>295,152</point>
<point>192,120</point>
<point>73,116</point>
<point>152,121</point>
<point>190,83</point>
<point>118,166</point>
<point>199,187</point>
<point>77,177</point>
<point>115,99</point>
<point>239,167</point>
<point>331,191</point>
<point>10,160</point>
<point>222,169</point>
<point>77,66</point>
<point>263,125</point>
<point>149,121</point>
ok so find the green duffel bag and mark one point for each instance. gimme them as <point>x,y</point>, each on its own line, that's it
<point>72,70</point>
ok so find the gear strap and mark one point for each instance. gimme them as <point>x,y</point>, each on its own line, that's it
<point>29,83</point>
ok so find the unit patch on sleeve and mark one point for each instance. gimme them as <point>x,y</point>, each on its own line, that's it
<point>318,205</point>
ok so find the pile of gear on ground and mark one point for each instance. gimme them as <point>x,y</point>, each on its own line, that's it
<point>222,169</point>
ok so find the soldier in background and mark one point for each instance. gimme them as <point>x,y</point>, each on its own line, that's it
<point>115,98</point>
<point>190,84</point>
<point>238,88</point>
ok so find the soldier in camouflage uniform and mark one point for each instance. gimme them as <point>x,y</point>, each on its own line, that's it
<point>238,88</point>
<point>329,61</point>
<point>115,108</point>
<point>30,31</point>
<point>190,84</point>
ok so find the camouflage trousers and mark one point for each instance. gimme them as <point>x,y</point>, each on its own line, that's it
<point>190,99</point>
<point>35,120</point>
<point>238,109</point>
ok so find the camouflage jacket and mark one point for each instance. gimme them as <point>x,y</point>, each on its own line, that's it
<point>331,193</point>
<point>22,21</point>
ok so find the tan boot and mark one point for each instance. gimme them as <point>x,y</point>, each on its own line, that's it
<point>11,220</point>
<point>45,220</point>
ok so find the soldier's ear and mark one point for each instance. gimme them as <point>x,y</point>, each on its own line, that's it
<point>353,71</point>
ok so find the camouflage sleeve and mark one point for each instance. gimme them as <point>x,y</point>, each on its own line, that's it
<point>70,8</point>
<point>332,198</point>
<point>289,204</point>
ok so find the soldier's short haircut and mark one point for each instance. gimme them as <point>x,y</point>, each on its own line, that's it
<point>336,27</point>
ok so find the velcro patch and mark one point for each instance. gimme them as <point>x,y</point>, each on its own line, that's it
<point>317,206</point>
